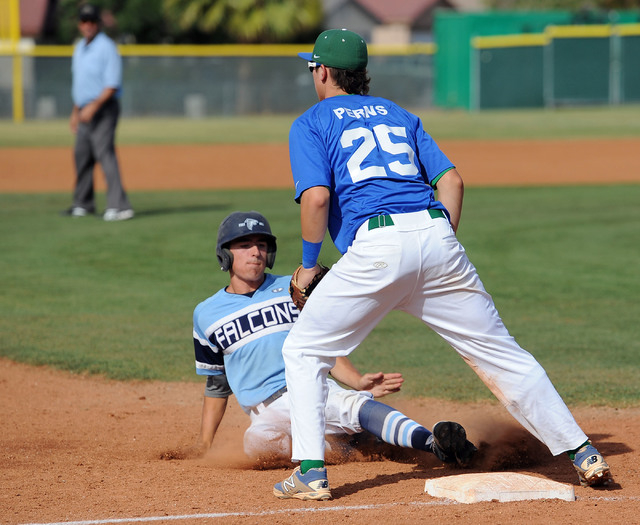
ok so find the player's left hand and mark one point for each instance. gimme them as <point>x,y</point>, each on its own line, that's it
<point>380,384</point>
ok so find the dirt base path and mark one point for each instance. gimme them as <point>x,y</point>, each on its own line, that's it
<point>75,448</point>
<point>267,165</point>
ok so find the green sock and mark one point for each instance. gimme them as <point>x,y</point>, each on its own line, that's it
<point>306,464</point>
<point>572,453</point>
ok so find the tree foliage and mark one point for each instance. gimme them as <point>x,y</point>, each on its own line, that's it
<point>195,21</point>
<point>255,21</point>
<point>252,21</point>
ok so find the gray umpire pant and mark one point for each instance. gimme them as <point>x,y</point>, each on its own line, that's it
<point>95,142</point>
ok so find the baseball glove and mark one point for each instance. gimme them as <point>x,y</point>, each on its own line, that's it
<point>299,295</point>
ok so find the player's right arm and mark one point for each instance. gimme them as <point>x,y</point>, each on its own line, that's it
<point>213,409</point>
<point>216,394</point>
<point>314,218</point>
<point>314,213</point>
<point>209,363</point>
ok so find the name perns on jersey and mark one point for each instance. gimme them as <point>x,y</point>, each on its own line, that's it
<point>363,112</point>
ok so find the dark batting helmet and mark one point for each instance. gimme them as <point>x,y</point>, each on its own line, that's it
<point>240,224</point>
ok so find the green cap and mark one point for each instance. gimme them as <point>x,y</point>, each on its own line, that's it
<point>339,48</point>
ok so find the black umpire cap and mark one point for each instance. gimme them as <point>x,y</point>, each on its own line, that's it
<point>89,13</point>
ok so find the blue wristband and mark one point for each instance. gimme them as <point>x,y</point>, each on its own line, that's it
<point>310,253</point>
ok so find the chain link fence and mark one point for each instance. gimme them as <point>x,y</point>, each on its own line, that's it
<point>201,85</point>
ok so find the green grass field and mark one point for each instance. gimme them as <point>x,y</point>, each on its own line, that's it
<point>116,299</point>
<point>621,121</point>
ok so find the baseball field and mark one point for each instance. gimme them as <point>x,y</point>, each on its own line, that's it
<point>101,405</point>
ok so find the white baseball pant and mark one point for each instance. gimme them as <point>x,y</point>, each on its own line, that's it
<point>417,266</point>
<point>269,435</point>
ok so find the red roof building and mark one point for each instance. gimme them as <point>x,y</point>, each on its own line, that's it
<point>385,21</point>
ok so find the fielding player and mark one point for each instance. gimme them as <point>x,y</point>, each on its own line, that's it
<point>365,169</point>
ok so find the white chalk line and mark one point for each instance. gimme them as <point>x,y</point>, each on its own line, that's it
<point>441,502</point>
<point>245,514</point>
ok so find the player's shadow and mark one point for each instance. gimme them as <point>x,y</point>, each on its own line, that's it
<point>425,469</point>
<point>348,489</point>
<point>609,448</point>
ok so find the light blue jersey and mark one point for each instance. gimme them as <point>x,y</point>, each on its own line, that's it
<point>374,156</point>
<point>95,66</point>
<point>242,337</point>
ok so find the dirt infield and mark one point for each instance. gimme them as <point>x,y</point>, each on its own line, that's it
<point>76,448</point>
<point>480,163</point>
<point>80,449</point>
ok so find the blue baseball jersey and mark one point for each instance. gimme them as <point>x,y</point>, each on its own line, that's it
<point>242,337</point>
<point>373,155</point>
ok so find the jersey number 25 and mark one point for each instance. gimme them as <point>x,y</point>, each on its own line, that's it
<point>378,138</point>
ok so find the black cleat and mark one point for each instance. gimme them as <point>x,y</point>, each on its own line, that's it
<point>450,443</point>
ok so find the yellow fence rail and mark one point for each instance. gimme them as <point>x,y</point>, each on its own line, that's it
<point>227,50</point>
<point>9,39</point>
<point>542,39</point>
<point>10,45</point>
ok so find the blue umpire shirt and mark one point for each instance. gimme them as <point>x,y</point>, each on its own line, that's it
<point>94,67</point>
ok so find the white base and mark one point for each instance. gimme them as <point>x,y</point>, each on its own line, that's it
<point>497,486</point>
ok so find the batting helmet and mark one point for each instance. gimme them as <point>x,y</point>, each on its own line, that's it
<point>240,224</point>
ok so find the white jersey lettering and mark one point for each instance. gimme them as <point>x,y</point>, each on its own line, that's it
<point>360,113</point>
<point>269,316</point>
<point>228,333</point>
<point>284,312</point>
<point>253,326</point>
<point>245,325</point>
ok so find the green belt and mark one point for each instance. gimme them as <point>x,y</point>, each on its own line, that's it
<point>380,221</point>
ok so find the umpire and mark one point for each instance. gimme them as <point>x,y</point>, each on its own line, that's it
<point>97,78</point>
